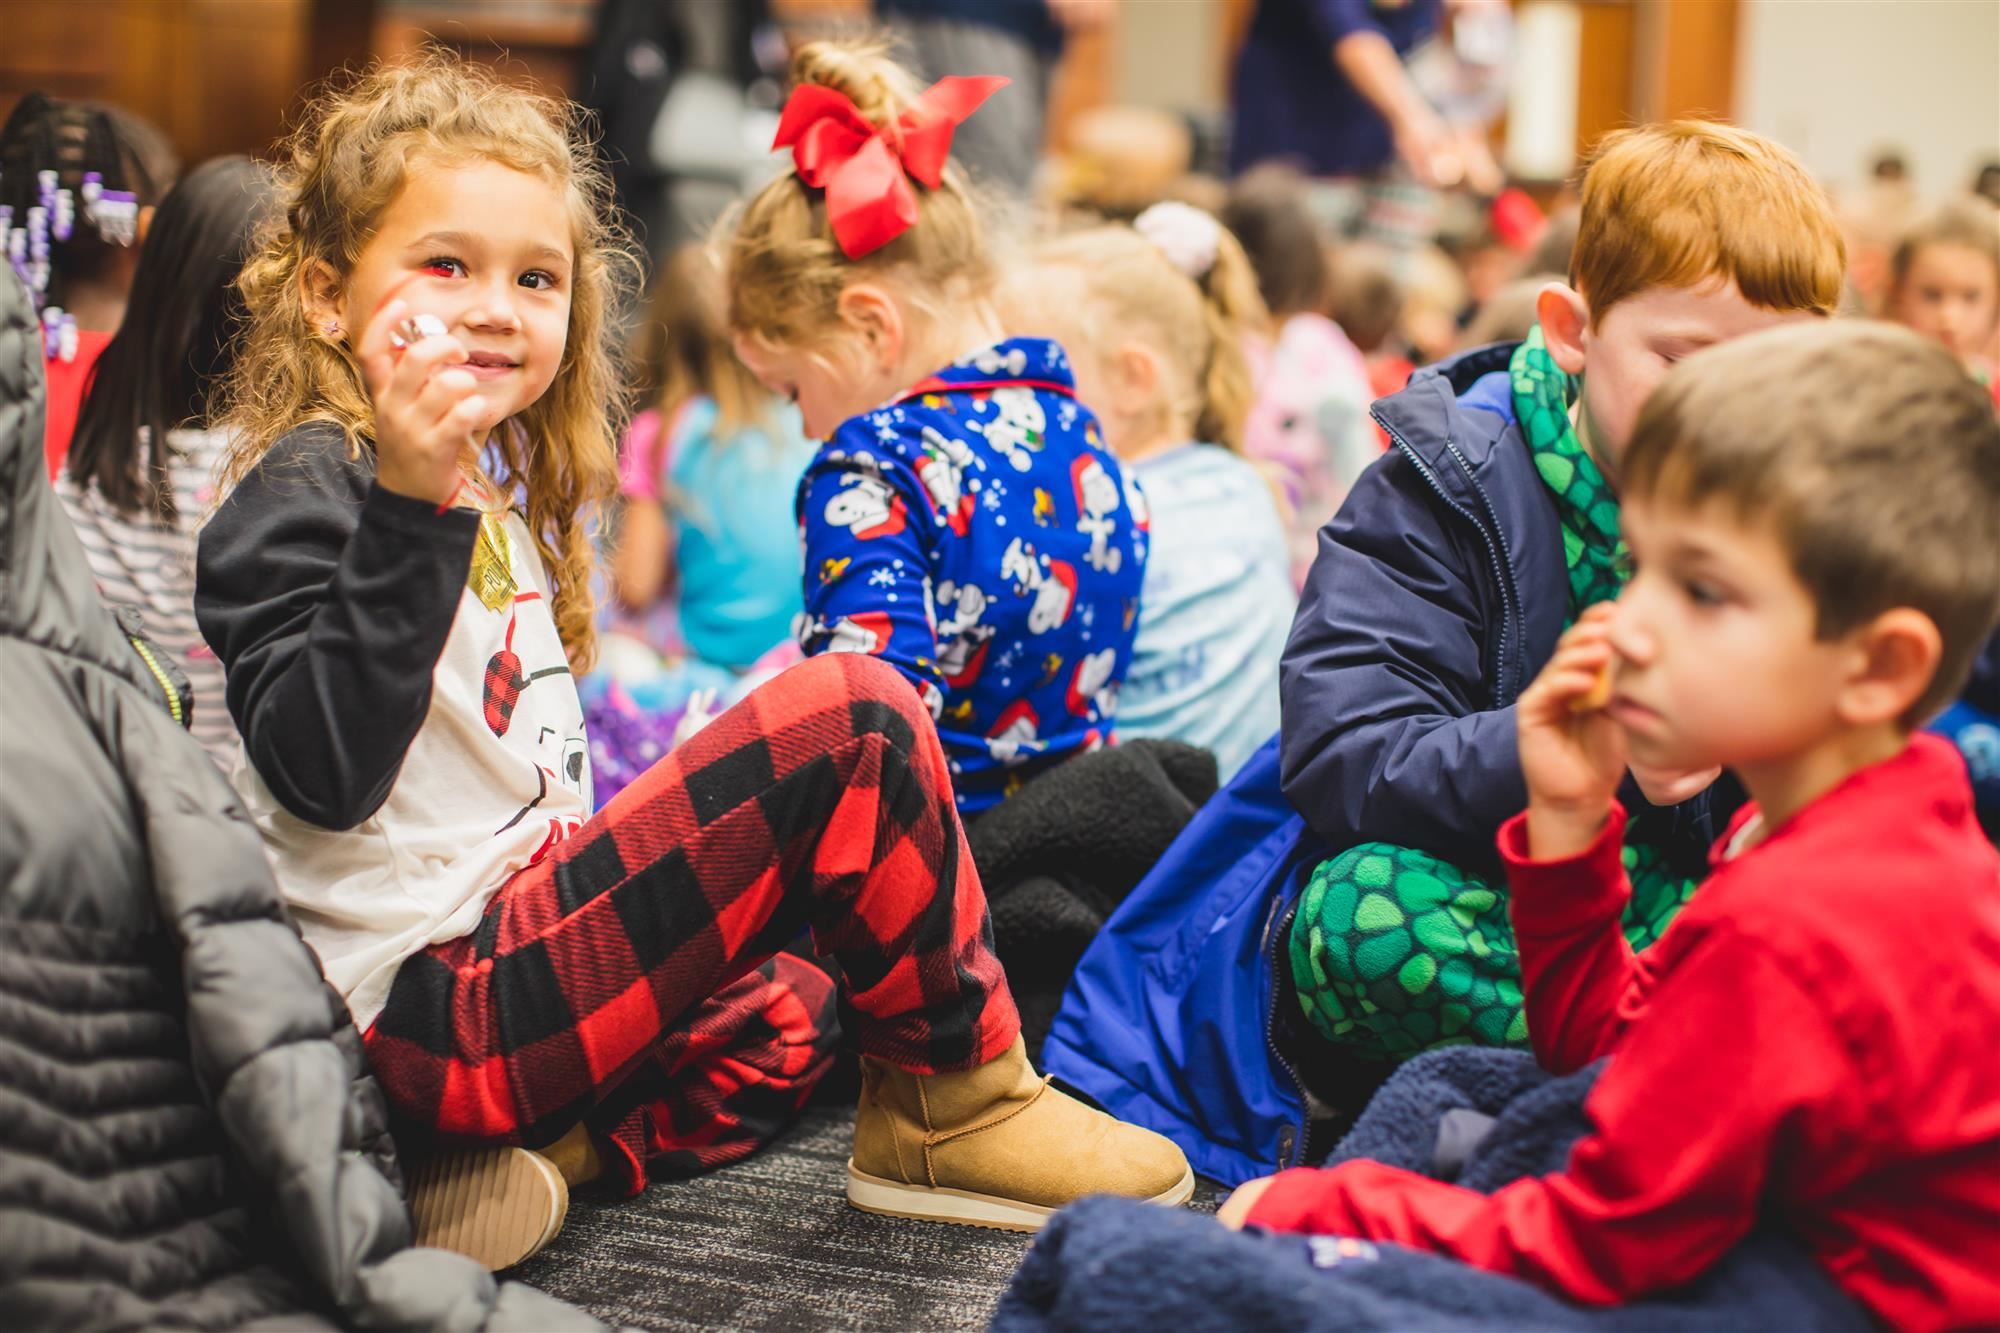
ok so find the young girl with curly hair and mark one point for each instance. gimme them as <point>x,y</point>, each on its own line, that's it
<point>397,583</point>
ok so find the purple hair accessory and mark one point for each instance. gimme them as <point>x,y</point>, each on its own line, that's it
<point>115,213</point>
<point>55,336</point>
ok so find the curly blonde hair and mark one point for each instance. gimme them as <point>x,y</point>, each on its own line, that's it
<point>785,270</point>
<point>344,165</point>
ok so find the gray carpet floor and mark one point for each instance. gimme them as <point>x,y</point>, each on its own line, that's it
<point>772,1244</point>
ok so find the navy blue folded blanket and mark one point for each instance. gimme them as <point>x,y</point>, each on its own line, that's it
<point>1481,1117</point>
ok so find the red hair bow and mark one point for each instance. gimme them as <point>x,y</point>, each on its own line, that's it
<point>862,168</point>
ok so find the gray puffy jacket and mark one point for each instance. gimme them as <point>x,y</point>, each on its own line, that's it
<point>188,1136</point>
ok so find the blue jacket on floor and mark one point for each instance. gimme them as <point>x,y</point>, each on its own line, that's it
<point>1439,591</point>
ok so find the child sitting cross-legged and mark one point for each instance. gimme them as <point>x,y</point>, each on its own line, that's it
<point>1814,514</point>
<point>397,582</point>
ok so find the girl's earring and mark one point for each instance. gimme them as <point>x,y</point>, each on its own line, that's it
<point>331,328</point>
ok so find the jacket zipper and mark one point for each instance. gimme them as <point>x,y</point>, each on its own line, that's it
<point>1503,564</point>
<point>1486,536</point>
<point>165,683</point>
<point>1292,1138</point>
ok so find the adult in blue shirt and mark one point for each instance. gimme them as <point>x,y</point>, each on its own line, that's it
<point>1320,84</point>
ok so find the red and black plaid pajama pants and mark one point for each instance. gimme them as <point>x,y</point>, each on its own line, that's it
<point>632,979</point>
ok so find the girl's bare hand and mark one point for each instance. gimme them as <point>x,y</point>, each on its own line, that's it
<point>425,408</point>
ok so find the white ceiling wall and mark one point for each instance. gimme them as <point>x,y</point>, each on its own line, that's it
<point>1838,80</point>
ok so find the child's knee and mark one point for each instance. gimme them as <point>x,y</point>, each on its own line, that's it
<point>880,698</point>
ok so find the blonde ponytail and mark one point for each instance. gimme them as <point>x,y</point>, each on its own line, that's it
<point>1144,285</point>
<point>1232,310</point>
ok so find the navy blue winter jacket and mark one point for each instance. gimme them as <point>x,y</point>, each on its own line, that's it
<point>1438,592</point>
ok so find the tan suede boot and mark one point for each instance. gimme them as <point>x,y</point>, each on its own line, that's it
<point>996,1146</point>
<point>499,1205</point>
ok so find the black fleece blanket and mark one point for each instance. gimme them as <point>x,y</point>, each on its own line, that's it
<point>1110,1264</point>
<point>1061,853</point>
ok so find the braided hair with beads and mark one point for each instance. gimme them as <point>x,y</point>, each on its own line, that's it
<point>73,178</point>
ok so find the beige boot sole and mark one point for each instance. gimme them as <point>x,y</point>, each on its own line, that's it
<point>496,1206</point>
<point>873,1194</point>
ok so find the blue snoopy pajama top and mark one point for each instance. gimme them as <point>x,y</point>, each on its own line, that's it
<point>977,535</point>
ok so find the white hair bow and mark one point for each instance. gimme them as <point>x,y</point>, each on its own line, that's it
<point>1187,236</point>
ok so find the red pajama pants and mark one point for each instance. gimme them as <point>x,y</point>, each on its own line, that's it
<point>632,980</point>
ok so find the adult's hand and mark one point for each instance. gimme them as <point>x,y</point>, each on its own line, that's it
<point>1430,147</point>
<point>1482,174</point>
<point>1433,151</point>
<point>1076,17</point>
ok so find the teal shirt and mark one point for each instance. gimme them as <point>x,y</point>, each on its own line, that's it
<point>1216,607</point>
<point>736,544</point>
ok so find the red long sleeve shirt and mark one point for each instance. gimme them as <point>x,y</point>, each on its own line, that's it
<point>1813,1041</point>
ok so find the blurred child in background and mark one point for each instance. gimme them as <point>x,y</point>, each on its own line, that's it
<point>1309,420</point>
<point>707,474</point>
<point>1944,282</point>
<point>1157,343</point>
<point>1434,296</point>
<point>78,184</point>
<point>139,476</point>
<point>1873,218</point>
<point>1368,300</point>
<point>705,562</point>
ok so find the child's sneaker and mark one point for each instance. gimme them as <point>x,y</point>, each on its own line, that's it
<point>996,1146</point>
<point>496,1206</point>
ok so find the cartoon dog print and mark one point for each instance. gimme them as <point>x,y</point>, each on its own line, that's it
<point>1091,686</point>
<point>993,361</point>
<point>962,640</point>
<point>866,506</point>
<point>941,467</point>
<point>1015,737</point>
<point>1053,588</point>
<point>1019,426</point>
<point>1096,502</point>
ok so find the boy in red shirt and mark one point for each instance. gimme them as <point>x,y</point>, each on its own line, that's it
<point>1815,515</point>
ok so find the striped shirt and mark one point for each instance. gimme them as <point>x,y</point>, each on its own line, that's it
<point>139,563</point>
